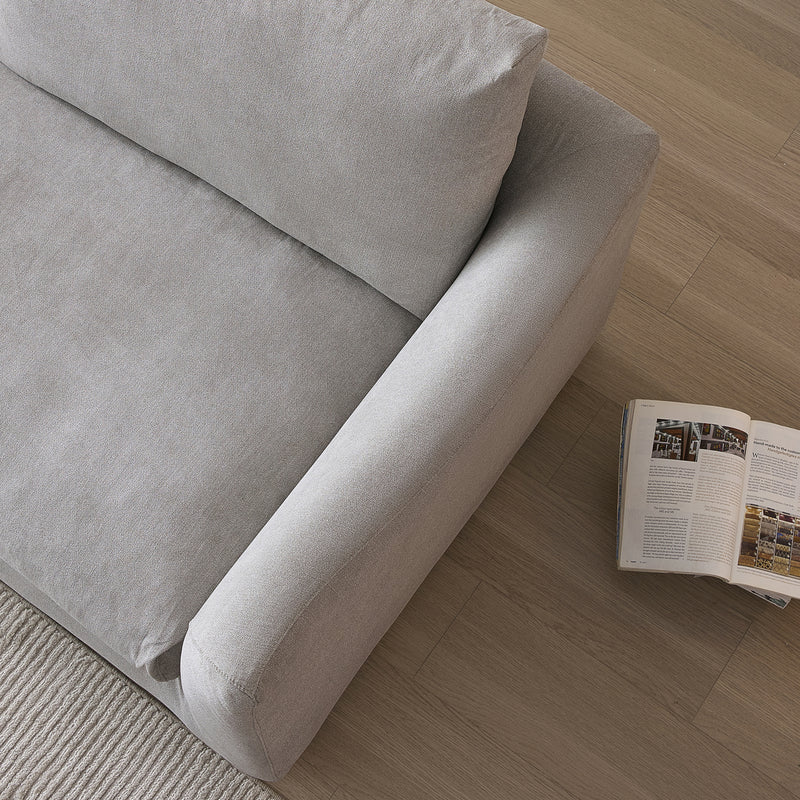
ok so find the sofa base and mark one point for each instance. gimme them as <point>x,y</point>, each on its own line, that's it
<point>169,693</point>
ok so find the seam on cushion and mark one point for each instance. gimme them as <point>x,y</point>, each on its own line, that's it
<point>639,183</point>
<point>538,46</point>
<point>157,643</point>
<point>541,44</point>
<point>253,704</point>
<point>211,663</point>
<point>260,734</point>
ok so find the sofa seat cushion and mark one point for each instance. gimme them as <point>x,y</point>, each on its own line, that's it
<point>170,366</point>
<point>375,132</point>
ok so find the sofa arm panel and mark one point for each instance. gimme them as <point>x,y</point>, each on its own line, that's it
<point>279,639</point>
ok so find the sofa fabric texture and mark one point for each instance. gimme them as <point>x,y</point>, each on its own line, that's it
<point>375,132</point>
<point>281,636</point>
<point>171,366</point>
<point>249,394</point>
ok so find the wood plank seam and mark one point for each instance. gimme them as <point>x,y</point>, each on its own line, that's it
<point>694,272</point>
<point>788,138</point>
<point>449,625</point>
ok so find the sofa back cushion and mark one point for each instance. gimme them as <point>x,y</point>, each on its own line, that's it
<point>375,132</point>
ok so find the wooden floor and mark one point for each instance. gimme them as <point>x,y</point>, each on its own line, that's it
<point>527,666</point>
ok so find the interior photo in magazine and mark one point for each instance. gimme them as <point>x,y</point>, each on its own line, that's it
<point>682,440</point>
<point>706,490</point>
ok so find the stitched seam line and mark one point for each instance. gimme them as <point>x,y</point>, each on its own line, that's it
<point>260,733</point>
<point>540,45</point>
<point>211,663</point>
<point>254,721</point>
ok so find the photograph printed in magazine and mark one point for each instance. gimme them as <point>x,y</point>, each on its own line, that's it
<point>708,491</point>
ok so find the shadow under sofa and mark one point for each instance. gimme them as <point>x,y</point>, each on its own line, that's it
<point>438,402</point>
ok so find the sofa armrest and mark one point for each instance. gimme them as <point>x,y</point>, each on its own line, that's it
<point>279,639</point>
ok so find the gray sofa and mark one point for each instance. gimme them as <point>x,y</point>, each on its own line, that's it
<point>284,287</point>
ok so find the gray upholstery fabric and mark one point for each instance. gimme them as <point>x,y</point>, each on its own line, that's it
<point>170,366</point>
<point>260,670</point>
<point>375,132</point>
<point>168,692</point>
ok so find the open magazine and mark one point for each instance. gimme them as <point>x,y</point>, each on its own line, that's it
<point>708,491</point>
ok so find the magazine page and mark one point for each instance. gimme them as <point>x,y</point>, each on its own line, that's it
<point>769,549</point>
<point>681,502</point>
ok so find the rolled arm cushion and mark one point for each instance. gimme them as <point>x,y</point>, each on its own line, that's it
<point>281,636</point>
<point>375,132</point>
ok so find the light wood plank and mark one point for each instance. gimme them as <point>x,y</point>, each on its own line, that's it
<point>784,13</point>
<point>763,220</point>
<point>772,41</point>
<point>691,50</point>
<point>475,546</point>
<point>557,563</point>
<point>789,155</point>
<point>389,738</point>
<point>427,616</point>
<point>713,149</point>
<point>588,476</point>
<point>666,250</point>
<point>307,782</point>
<point>569,715</point>
<point>556,434</point>
<point>644,354</point>
<point>754,707</point>
<point>747,305</point>
<point>728,187</point>
<point>638,80</point>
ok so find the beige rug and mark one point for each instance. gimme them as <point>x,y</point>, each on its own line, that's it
<point>73,728</point>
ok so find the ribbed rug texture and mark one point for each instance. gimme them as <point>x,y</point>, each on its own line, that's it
<point>74,728</point>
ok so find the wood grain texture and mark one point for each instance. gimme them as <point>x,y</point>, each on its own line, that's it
<point>571,717</point>
<point>527,665</point>
<point>643,353</point>
<point>618,69</point>
<point>427,616</point>
<point>758,320</point>
<point>667,249</point>
<point>762,216</point>
<point>568,417</point>
<point>789,155</point>
<point>690,49</point>
<point>784,13</point>
<point>757,723</point>
<point>774,42</point>
<point>564,576</point>
<point>305,780</point>
<point>390,738</point>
